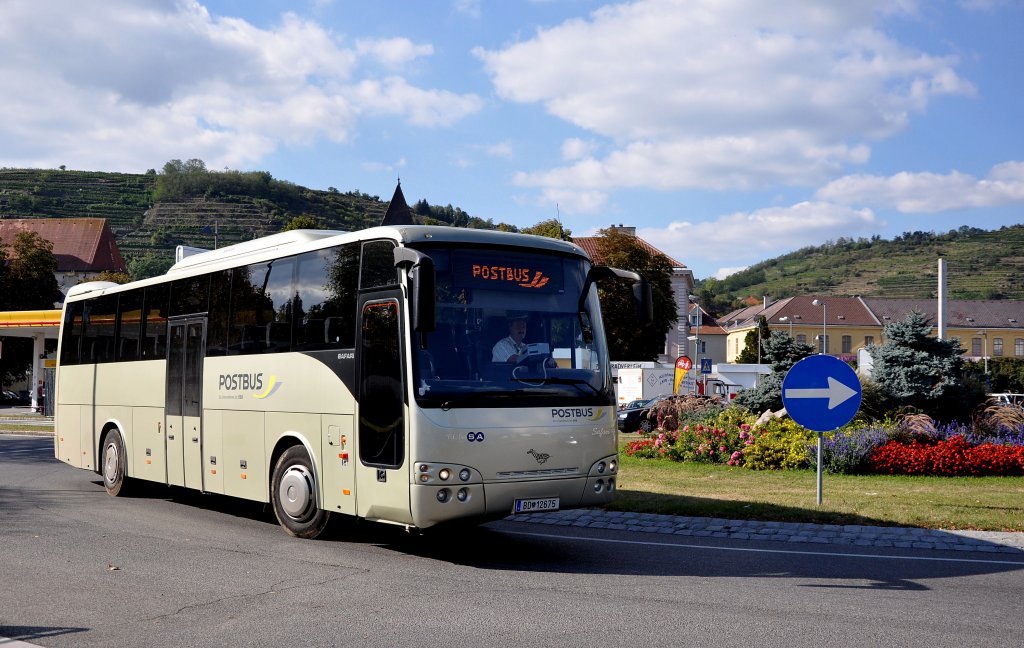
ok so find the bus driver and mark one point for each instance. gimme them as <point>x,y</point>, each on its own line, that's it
<point>511,349</point>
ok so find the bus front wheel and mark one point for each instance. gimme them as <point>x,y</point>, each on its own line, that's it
<point>113,464</point>
<point>293,494</point>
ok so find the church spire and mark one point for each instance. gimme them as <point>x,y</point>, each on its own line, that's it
<point>398,210</point>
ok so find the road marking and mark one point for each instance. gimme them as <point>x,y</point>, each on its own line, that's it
<point>14,643</point>
<point>794,552</point>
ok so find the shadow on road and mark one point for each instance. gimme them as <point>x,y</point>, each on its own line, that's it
<point>29,633</point>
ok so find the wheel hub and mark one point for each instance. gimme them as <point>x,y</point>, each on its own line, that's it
<point>110,459</point>
<point>295,492</point>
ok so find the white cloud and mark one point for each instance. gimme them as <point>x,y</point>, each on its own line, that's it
<point>393,52</point>
<point>124,85</point>
<point>573,201</point>
<point>469,8</point>
<point>575,148</point>
<point>747,237</point>
<point>930,192</point>
<point>501,149</point>
<point>722,273</point>
<point>737,94</point>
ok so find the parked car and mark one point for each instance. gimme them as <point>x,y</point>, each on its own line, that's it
<point>634,403</point>
<point>9,397</point>
<point>636,418</point>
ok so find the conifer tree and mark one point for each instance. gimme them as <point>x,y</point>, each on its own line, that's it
<point>916,370</point>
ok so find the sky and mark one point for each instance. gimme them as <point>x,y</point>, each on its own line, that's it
<point>726,131</point>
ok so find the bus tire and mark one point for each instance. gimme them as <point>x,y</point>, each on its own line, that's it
<point>114,464</point>
<point>293,495</point>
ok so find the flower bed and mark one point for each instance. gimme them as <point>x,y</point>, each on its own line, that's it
<point>913,445</point>
<point>951,457</point>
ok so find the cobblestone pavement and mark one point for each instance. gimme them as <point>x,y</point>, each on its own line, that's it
<point>789,532</point>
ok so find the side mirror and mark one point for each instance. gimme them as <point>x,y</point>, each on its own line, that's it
<point>644,300</point>
<point>642,297</point>
<point>423,288</point>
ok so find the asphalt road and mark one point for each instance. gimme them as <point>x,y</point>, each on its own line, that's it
<point>172,568</point>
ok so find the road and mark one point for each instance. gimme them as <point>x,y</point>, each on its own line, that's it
<point>172,568</point>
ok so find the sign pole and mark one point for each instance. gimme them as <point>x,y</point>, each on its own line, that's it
<point>821,393</point>
<point>819,468</point>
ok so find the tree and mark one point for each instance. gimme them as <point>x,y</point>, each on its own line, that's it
<point>759,334</point>
<point>115,277</point>
<point>628,340</point>
<point>551,228</point>
<point>30,283</point>
<point>781,352</point>
<point>149,265</point>
<point>27,282</point>
<point>914,370</point>
<point>302,222</point>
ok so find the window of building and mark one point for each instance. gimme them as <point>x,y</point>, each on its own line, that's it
<point>847,344</point>
<point>869,340</point>
<point>976,347</point>
<point>1018,347</point>
<point>801,338</point>
<point>823,343</point>
<point>997,347</point>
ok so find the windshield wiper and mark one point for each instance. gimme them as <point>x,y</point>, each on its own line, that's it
<point>558,380</point>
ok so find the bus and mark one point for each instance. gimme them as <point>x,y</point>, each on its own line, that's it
<point>353,373</point>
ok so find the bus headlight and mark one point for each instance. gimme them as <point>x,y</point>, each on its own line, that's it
<point>612,465</point>
<point>443,495</point>
<point>464,474</point>
<point>601,467</point>
<point>598,486</point>
<point>462,495</point>
<point>444,474</point>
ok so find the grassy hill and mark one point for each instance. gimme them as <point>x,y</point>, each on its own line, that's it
<point>151,213</point>
<point>980,264</point>
<point>185,204</point>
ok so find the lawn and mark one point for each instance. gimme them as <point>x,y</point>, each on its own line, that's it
<point>693,489</point>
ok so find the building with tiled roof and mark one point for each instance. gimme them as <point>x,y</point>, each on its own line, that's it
<point>985,328</point>
<point>676,341</point>
<point>709,337</point>
<point>84,247</point>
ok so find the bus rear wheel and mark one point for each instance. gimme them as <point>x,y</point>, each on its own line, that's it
<point>293,494</point>
<point>113,464</point>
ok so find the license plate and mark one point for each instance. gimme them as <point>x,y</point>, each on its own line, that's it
<point>534,505</point>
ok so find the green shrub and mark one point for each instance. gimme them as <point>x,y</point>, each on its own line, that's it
<point>780,444</point>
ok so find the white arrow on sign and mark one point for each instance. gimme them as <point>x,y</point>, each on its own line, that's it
<point>837,393</point>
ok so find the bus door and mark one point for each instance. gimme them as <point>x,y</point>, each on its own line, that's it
<point>382,475</point>
<point>186,347</point>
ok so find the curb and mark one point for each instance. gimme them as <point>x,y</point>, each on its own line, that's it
<point>858,535</point>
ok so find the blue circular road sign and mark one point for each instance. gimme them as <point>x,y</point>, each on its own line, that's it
<point>821,393</point>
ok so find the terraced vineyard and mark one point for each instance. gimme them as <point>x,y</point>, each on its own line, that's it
<point>980,265</point>
<point>152,213</point>
<point>216,215</point>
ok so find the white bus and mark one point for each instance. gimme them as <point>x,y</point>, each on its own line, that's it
<point>354,373</point>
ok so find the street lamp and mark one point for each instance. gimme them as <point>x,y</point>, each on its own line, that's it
<point>984,335</point>
<point>824,324</point>
<point>785,318</point>
<point>696,351</point>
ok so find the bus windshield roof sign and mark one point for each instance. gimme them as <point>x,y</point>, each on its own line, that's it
<point>527,273</point>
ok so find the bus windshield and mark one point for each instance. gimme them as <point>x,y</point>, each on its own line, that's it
<point>511,328</point>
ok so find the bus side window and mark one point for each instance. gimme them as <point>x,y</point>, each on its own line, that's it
<point>217,323</point>
<point>324,307</point>
<point>154,323</point>
<point>129,325</point>
<point>73,325</point>
<point>100,319</point>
